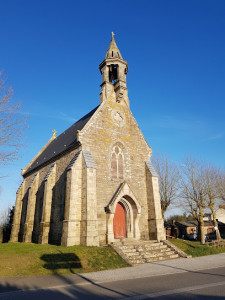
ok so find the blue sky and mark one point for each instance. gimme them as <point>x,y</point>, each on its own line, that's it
<point>50,52</point>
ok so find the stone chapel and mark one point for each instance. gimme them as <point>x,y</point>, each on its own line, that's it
<point>93,184</point>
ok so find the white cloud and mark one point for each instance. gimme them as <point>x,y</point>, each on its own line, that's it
<point>66,118</point>
<point>216,136</point>
<point>58,116</point>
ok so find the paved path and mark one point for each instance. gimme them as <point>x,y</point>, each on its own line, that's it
<point>109,281</point>
<point>160,268</point>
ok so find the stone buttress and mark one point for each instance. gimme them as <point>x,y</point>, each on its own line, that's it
<point>49,183</point>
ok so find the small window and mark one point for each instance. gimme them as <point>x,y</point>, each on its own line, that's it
<point>112,53</point>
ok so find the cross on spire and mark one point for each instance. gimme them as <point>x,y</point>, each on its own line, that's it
<point>54,132</point>
<point>113,50</point>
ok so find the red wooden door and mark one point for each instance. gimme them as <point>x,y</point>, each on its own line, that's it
<point>119,222</point>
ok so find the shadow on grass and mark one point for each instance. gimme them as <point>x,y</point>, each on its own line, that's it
<point>70,261</point>
<point>55,262</point>
<point>57,286</point>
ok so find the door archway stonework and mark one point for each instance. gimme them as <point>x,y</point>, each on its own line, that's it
<point>132,208</point>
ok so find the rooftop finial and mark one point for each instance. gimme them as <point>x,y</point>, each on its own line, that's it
<point>113,51</point>
<point>54,133</point>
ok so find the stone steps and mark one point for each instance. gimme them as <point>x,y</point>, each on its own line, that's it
<point>162,258</point>
<point>139,252</point>
<point>157,254</point>
<point>161,248</point>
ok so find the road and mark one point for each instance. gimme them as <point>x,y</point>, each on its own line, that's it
<point>194,278</point>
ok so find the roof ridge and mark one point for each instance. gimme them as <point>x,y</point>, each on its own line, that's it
<point>85,116</point>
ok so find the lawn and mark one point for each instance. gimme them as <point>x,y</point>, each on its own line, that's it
<point>19,259</point>
<point>195,248</point>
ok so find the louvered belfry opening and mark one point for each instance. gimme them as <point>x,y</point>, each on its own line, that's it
<point>113,74</point>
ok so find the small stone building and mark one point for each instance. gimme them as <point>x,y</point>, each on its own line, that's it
<point>220,213</point>
<point>188,227</point>
<point>94,183</point>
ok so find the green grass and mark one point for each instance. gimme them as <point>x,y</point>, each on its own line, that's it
<point>195,249</point>
<point>19,259</point>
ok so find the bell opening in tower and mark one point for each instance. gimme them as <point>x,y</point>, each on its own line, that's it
<point>113,76</point>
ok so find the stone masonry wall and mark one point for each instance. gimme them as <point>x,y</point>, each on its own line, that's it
<point>113,124</point>
<point>58,201</point>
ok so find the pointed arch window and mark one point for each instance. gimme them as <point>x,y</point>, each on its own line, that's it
<point>117,163</point>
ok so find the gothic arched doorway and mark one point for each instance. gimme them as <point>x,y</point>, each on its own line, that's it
<point>126,203</point>
<point>119,222</point>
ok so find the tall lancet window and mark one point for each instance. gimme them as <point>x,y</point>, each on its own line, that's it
<point>117,163</point>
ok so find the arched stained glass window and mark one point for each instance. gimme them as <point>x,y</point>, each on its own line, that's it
<point>114,166</point>
<point>120,165</point>
<point>117,163</point>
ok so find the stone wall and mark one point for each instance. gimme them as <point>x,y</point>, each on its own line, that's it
<point>36,215</point>
<point>112,124</point>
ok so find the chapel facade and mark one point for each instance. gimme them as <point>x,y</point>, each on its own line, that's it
<point>93,184</point>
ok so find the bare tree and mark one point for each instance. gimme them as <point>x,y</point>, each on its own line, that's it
<point>4,216</point>
<point>12,125</point>
<point>212,177</point>
<point>169,178</point>
<point>193,191</point>
<point>221,186</point>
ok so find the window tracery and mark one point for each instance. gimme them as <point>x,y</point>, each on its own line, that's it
<point>117,163</point>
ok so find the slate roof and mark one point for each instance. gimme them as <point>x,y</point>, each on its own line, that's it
<point>89,160</point>
<point>73,160</point>
<point>49,172</point>
<point>193,223</point>
<point>32,181</point>
<point>187,224</point>
<point>222,206</point>
<point>19,188</point>
<point>151,168</point>
<point>208,223</point>
<point>61,143</point>
<point>221,223</point>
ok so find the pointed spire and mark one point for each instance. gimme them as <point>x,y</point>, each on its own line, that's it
<point>113,50</point>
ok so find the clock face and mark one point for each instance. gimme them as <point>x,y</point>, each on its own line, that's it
<point>118,118</point>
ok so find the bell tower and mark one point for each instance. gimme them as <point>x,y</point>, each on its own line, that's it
<point>114,71</point>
